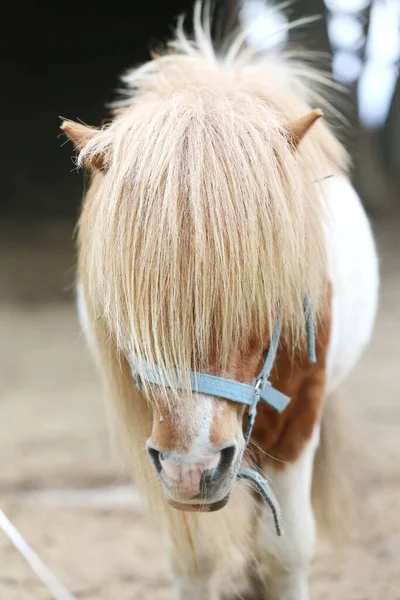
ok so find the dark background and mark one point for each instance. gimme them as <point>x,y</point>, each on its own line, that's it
<point>64,58</point>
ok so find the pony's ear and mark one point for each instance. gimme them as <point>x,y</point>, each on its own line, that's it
<point>80,135</point>
<point>296,130</point>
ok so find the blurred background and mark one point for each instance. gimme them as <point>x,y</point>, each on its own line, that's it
<point>59,481</point>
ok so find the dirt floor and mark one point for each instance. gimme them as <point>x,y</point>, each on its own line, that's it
<point>69,497</point>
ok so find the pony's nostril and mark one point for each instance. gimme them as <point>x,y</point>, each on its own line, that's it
<point>227,456</point>
<point>156,458</point>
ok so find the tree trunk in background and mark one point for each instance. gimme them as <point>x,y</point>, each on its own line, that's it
<point>226,20</point>
<point>391,148</point>
<point>314,38</point>
<point>314,35</point>
<point>391,134</point>
<point>369,174</point>
<point>232,8</point>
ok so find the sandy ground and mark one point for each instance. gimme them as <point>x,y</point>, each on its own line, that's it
<point>53,436</point>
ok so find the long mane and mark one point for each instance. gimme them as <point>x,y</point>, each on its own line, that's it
<point>207,222</point>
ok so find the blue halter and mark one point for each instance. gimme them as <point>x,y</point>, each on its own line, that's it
<point>249,395</point>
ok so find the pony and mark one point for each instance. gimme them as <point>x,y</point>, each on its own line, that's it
<point>218,199</point>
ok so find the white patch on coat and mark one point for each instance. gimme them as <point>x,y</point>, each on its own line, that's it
<point>353,271</point>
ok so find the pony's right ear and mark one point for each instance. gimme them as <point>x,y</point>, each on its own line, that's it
<point>80,135</point>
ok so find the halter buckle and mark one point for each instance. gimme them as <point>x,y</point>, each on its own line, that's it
<point>261,382</point>
<point>258,383</point>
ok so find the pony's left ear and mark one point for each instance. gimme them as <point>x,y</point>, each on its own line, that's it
<point>296,130</point>
<point>80,135</point>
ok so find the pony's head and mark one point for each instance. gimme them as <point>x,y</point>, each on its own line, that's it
<point>196,447</point>
<point>203,221</point>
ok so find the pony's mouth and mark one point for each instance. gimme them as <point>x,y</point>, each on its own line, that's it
<point>203,507</point>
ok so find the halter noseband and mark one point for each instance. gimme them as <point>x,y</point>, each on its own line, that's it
<point>249,395</point>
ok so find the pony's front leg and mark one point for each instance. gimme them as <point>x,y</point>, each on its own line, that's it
<point>193,570</point>
<point>196,587</point>
<point>287,558</point>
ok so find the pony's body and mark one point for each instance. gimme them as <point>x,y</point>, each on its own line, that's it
<point>203,220</point>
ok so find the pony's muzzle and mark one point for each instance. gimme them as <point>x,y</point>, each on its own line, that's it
<point>192,477</point>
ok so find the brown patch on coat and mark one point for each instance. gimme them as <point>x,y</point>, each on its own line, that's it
<point>228,416</point>
<point>169,432</point>
<point>226,421</point>
<point>283,435</point>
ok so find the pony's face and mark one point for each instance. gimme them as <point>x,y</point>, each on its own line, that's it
<point>196,448</point>
<point>194,230</point>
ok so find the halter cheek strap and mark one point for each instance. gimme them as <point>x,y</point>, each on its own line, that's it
<point>249,395</point>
